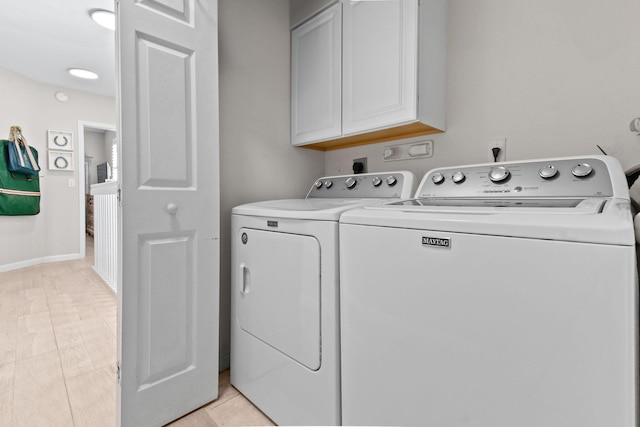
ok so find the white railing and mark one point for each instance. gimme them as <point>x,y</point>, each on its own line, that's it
<point>105,225</point>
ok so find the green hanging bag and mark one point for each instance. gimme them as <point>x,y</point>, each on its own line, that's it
<point>19,193</point>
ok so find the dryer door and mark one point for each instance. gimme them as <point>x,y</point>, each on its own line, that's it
<point>279,292</point>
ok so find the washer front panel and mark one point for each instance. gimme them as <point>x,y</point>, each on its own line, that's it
<point>485,331</point>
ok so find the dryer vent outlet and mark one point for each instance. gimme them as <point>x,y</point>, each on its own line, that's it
<point>360,165</point>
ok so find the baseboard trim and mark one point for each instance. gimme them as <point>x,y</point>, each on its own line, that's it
<point>110,284</point>
<point>38,261</point>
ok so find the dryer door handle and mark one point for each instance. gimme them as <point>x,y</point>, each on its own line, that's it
<point>244,279</point>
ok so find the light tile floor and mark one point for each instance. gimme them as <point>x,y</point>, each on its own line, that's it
<point>58,353</point>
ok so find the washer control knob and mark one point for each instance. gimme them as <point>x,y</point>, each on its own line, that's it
<point>376,181</point>
<point>437,178</point>
<point>391,180</point>
<point>328,183</point>
<point>318,184</point>
<point>350,182</point>
<point>582,170</point>
<point>548,172</point>
<point>458,177</point>
<point>499,174</point>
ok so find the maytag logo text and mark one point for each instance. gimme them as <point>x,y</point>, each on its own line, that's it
<point>439,242</point>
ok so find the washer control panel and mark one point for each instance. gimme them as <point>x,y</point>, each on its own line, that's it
<point>575,177</point>
<point>391,185</point>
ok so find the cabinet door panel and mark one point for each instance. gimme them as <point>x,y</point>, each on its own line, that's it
<point>316,78</point>
<point>379,64</point>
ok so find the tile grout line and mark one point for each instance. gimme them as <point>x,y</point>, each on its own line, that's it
<point>15,363</point>
<point>13,379</point>
<point>55,338</point>
<point>13,385</point>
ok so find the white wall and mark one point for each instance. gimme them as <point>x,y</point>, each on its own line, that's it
<point>555,77</point>
<point>54,233</point>
<point>257,161</point>
<point>301,10</point>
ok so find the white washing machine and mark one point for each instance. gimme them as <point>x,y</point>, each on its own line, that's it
<point>503,295</point>
<point>285,342</point>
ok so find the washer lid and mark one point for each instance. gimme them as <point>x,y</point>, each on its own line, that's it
<point>311,209</point>
<point>605,221</point>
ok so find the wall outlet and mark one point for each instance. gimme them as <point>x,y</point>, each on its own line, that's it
<point>500,143</point>
<point>414,150</point>
<point>360,165</point>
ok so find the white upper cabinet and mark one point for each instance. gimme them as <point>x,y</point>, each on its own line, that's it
<point>316,78</point>
<point>390,73</point>
<point>380,50</point>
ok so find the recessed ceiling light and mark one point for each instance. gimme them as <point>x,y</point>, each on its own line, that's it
<point>82,73</point>
<point>105,18</point>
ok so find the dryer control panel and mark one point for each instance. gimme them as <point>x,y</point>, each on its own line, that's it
<point>563,178</point>
<point>388,185</point>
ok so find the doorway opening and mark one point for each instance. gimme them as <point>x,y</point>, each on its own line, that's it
<point>91,155</point>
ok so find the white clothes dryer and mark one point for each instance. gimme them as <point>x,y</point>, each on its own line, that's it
<point>502,295</point>
<point>285,352</point>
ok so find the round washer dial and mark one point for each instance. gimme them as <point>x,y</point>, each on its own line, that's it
<point>350,182</point>
<point>458,177</point>
<point>548,172</point>
<point>437,178</point>
<point>499,174</point>
<point>582,170</point>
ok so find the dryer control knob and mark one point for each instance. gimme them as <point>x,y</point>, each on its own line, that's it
<point>350,182</point>
<point>437,178</point>
<point>582,170</point>
<point>318,184</point>
<point>376,181</point>
<point>458,177</point>
<point>391,180</point>
<point>328,183</point>
<point>499,174</point>
<point>548,172</point>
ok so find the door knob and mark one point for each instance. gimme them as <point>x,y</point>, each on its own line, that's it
<point>172,208</point>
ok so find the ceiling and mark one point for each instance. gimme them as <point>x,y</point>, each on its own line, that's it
<point>42,39</point>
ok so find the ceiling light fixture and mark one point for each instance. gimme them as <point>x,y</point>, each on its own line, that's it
<point>82,73</point>
<point>105,18</point>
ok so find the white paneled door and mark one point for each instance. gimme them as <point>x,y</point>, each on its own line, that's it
<point>169,216</point>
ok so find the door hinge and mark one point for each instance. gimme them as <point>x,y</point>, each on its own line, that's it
<point>118,370</point>
<point>119,195</point>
